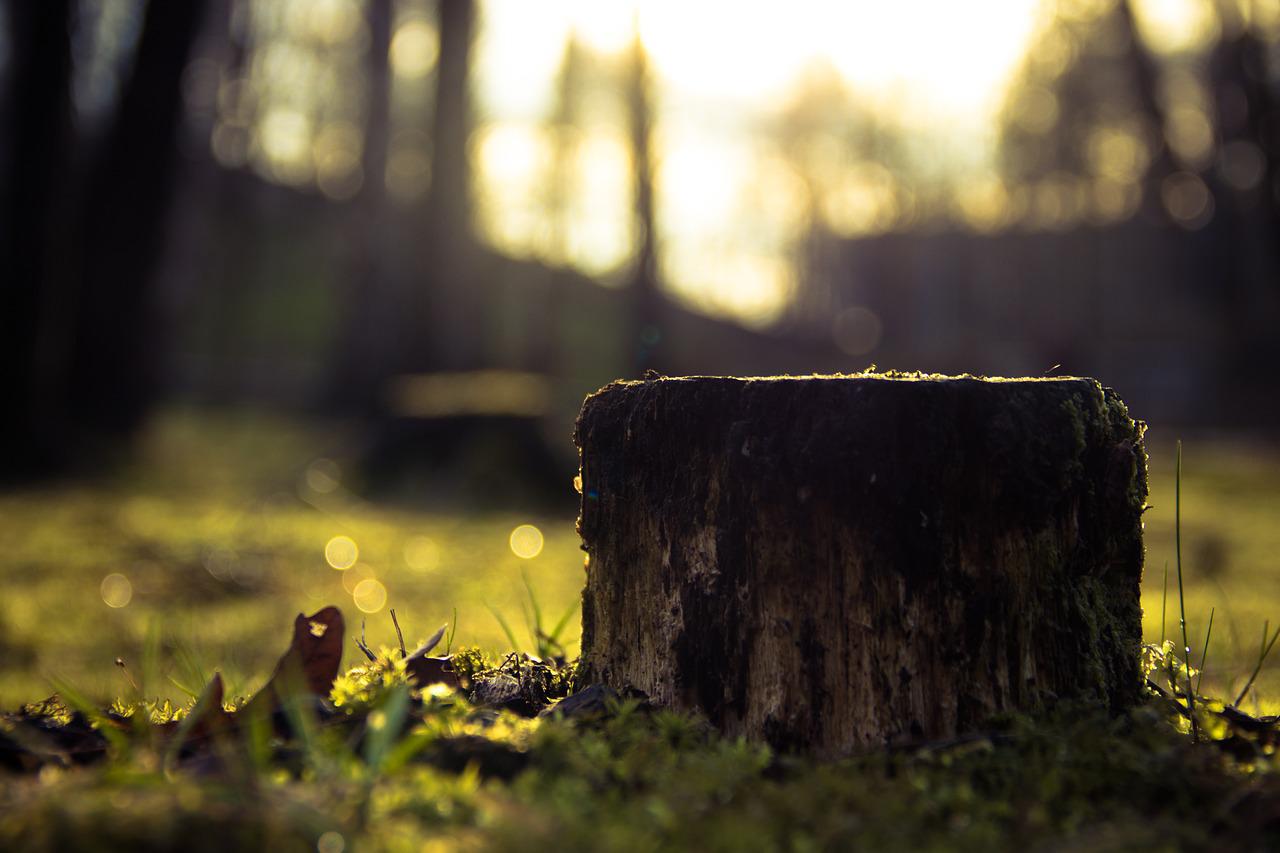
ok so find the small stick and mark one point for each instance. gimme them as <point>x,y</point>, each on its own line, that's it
<point>360,642</point>
<point>399,633</point>
<point>128,676</point>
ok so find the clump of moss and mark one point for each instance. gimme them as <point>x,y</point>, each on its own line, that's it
<point>631,777</point>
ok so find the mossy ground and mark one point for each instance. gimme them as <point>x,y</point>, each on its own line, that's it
<point>449,776</point>
<point>1074,779</point>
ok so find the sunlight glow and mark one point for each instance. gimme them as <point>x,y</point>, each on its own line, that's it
<point>526,541</point>
<point>116,590</point>
<point>356,575</point>
<point>323,476</point>
<point>341,552</point>
<point>414,49</point>
<point>1187,200</point>
<point>422,554</point>
<point>369,595</point>
<point>727,243</point>
<point>1170,26</point>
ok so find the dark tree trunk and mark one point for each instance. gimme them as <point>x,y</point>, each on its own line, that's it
<point>451,303</point>
<point>364,358</point>
<point>33,223</point>
<point>114,363</point>
<point>646,315</point>
<point>832,563</point>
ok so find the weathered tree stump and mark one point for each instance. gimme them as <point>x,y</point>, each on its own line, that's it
<point>830,563</point>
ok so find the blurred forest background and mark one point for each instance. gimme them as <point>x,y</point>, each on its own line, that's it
<point>284,273</point>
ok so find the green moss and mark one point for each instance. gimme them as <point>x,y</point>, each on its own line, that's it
<point>1074,778</point>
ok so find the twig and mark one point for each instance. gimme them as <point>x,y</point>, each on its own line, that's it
<point>360,642</point>
<point>128,676</point>
<point>399,633</point>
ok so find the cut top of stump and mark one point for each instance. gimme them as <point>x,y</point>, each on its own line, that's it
<point>831,562</point>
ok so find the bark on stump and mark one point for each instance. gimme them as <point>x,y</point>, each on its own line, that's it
<point>831,563</point>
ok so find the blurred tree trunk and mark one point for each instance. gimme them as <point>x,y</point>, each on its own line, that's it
<point>1245,104</point>
<point>1144,71</point>
<point>451,309</point>
<point>234,225</point>
<point>33,223</point>
<point>368,338</point>
<point>114,369</point>
<point>646,327</point>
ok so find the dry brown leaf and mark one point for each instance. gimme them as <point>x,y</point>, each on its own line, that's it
<point>427,671</point>
<point>312,661</point>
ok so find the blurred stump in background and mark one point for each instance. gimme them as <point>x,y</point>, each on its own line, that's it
<point>475,437</point>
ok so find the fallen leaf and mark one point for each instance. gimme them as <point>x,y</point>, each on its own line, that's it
<point>427,671</point>
<point>207,716</point>
<point>311,662</point>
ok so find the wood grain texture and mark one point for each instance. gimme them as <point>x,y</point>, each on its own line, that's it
<point>832,563</point>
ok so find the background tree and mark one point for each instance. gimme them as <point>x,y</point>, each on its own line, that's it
<point>114,357</point>
<point>37,204</point>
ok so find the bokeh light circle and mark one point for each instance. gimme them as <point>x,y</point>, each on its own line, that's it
<point>422,554</point>
<point>526,541</point>
<point>369,595</point>
<point>331,842</point>
<point>323,476</point>
<point>341,552</point>
<point>357,573</point>
<point>116,590</point>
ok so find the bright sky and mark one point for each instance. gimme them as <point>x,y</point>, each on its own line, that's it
<point>728,211</point>
<point>953,56</point>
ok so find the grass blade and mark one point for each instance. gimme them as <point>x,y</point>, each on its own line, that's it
<point>506,628</point>
<point>534,619</point>
<point>563,623</point>
<point>1164,600</point>
<point>384,726</point>
<point>1263,652</point>
<point>77,701</point>
<point>1204,655</point>
<point>1182,602</point>
<point>453,626</point>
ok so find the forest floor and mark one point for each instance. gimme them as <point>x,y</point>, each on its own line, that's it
<point>197,559</point>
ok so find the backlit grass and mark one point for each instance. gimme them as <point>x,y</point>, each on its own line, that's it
<point>220,532</point>
<point>218,538</point>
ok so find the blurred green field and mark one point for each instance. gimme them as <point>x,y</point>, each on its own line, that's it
<point>1230,555</point>
<point>220,534</point>
<point>220,531</point>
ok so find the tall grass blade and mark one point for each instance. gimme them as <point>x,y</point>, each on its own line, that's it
<point>151,658</point>
<point>79,702</point>
<point>1263,652</point>
<point>563,623</point>
<point>384,726</point>
<point>1164,600</point>
<point>1182,602</point>
<point>1204,655</point>
<point>506,627</point>
<point>533,600</point>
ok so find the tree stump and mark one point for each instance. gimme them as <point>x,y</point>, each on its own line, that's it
<point>829,563</point>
